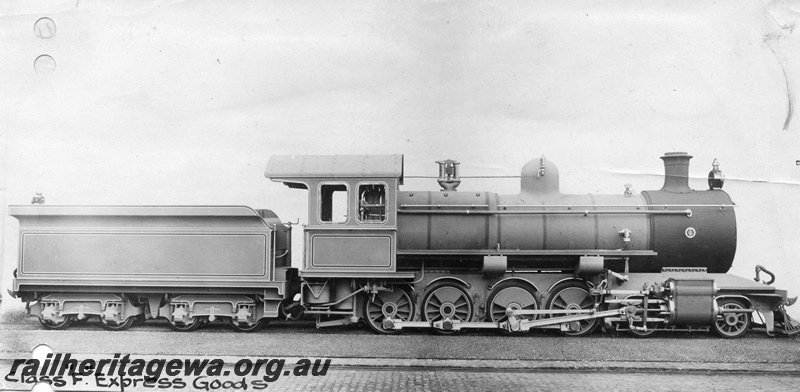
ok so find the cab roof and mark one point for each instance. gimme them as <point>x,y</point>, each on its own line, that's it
<point>285,167</point>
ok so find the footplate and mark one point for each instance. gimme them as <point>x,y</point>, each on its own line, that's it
<point>790,325</point>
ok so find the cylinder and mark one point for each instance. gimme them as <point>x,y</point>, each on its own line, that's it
<point>692,302</point>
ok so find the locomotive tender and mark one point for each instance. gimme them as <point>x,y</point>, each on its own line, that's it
<point>446,260</point>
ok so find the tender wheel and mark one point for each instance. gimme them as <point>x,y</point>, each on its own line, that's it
<point>573,296</point>
<point>185,327</point>
<point>247,328</point>
<point>446,301</point>
<point>112,326</point>
<point>654,311</point>
<point>511,295</point>
<point>731,325</point>
<point>395,304</point>
<point>64,324</point>
<point>139,319</point>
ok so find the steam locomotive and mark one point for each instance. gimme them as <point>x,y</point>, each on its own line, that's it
<point>446,260</point>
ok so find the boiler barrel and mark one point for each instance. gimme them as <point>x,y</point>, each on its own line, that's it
<point>462,224</point>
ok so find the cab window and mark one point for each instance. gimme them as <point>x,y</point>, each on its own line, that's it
<point>333,203</point>
<point>372,203</point>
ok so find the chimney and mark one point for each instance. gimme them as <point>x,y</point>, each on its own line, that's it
<point>676,172</point>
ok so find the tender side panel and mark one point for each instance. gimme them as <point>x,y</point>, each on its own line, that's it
<point>142,248</point>
<point>182,255</point>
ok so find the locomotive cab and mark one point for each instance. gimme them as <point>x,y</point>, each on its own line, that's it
<point>351,235</point>
<point>352,219</point>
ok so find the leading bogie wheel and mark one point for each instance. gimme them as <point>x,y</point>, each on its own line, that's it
<point>395,304</point>
<point>573,297</point>
<point>641,334</point>
<point>447,302</point>
<point>731,325</point>
<point>653,311</point>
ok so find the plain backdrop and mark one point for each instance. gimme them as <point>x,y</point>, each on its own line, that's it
<point>158,102</point>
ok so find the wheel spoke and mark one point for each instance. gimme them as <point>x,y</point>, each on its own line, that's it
<point>572,296</point>
<point>512,294</point>
<point>446,300</point>
<point>448,294</point>
<point>374,313</point>
<point>402,302</point>
<point>731,325</point>
<point>374,307</point>
<point>434,315</point>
